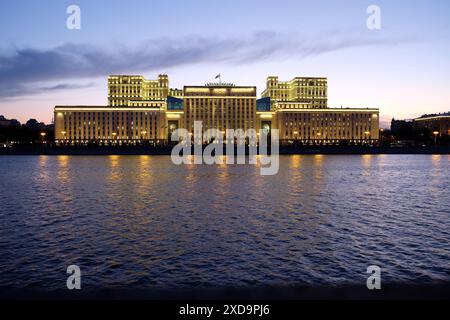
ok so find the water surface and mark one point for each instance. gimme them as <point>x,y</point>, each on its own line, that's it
<point>142,222</point>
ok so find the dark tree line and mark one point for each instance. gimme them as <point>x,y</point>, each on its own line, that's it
<point>408,131</point>
<point>26,134</point>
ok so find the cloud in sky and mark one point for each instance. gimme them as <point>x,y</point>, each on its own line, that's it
<point>19,89</point>
<point>23,70</point>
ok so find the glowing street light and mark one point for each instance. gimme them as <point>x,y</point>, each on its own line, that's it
<point>435,133</point>
<point>43,134</point>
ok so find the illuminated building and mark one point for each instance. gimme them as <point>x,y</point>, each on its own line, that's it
<point>148,111</point>
<point>300,111</point>
<point>134,91</point>
<point>435,123</point>
<point>310,91</point>
<point>220,106</point>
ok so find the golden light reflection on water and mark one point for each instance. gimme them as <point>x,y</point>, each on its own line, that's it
<point>63,175</point>
<point>114,173</point>
<point>436,165</point>
<point>191,176</point>
<point>224,175</point>
<point>63,161</point>
<point>296,161</point>
<point>114,160</point>
<point>144,165</point>
<point>44,175</point>
<point>367,160</point>
<point>318,160</point>
<point>43,160</point>
<point>295,177</point>
<point>436,159</point>
<point>144,175</point>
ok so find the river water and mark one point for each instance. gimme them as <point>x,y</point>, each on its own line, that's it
<point>143,222</point>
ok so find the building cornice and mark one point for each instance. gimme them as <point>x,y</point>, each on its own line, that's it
<point>102,108</point>
<point>432,118</point>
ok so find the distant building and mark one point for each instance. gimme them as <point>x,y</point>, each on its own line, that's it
<point>401,125</point>
<point>141,110</point>
<point>435,123</point>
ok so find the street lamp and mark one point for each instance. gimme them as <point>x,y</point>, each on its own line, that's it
<point>318,136</point>
<point>64,136</point>
<point>366,136</point>
<point>43,134</point>
<point>435,133</point>
<point>143,135</point>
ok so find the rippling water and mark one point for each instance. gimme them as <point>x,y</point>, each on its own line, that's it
<point>142,222</point>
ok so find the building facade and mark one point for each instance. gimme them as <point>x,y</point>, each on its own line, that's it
<point>124,91</point>
<point>301,113</point>
<point>435,123</point>
<point>220,106</point>
<point>313,92</point>
<point>141,111</point>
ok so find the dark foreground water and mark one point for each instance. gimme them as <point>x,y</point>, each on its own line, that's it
<point>142,222</point>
